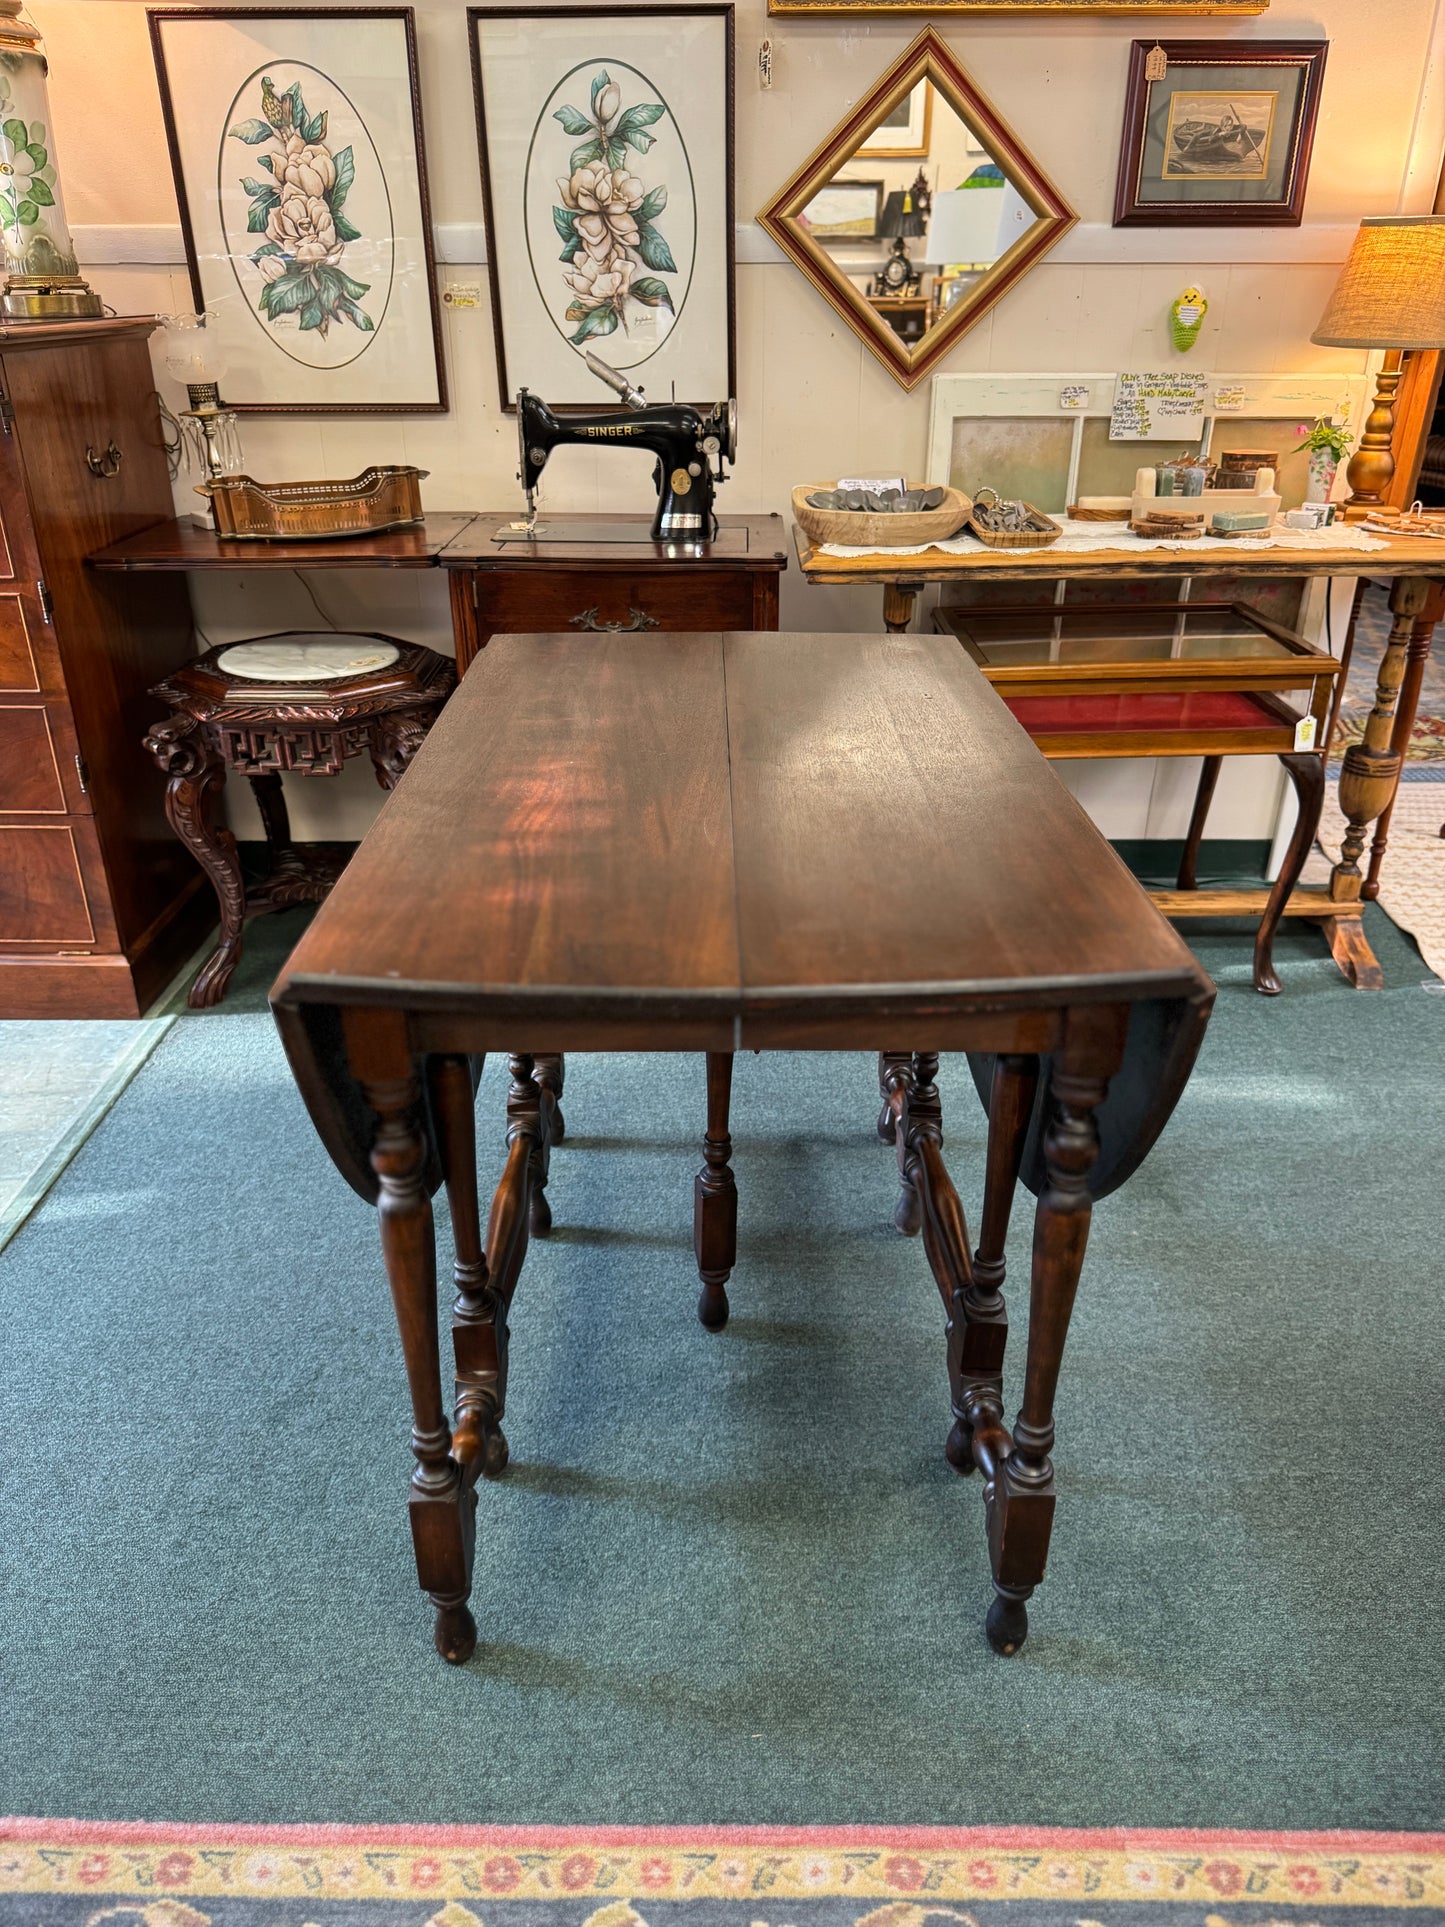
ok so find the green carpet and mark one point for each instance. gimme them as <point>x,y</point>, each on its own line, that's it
<point>732,1579</point>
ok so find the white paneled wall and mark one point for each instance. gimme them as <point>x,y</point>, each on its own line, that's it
<point>813,402</point>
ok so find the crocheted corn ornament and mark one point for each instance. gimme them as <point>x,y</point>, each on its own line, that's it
<point>1186,318</point>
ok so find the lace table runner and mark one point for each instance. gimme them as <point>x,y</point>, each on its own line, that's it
<point>1080,538</point>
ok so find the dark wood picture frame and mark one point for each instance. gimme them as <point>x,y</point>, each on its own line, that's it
<point>406,15</point>
<point>927,57</point>
<point>879,196</point>
<point>1266,55</point>
<point>722,9</point>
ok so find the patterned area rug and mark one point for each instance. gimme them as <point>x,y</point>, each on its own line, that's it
<point>1412,879</point>
<point>57,1873</point>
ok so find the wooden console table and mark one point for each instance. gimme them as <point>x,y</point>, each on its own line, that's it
<point>1370,774</point>
<point>179,546</point>
<point>633,842</point>
<point>605,584</point>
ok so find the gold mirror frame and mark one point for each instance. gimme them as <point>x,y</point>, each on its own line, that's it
<point>929,57</point>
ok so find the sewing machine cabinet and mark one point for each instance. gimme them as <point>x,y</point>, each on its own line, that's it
<point>611,586</point>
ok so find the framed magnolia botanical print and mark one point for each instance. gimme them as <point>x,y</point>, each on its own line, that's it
<point>606,144</point>
<point>1224,138</point>
<point>296,142</point>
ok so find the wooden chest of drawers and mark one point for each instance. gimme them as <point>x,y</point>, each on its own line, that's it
<point>500,588</point>
<point>99,905</point>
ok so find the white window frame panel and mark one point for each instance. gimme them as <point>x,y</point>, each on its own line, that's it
<point>1340,397</point>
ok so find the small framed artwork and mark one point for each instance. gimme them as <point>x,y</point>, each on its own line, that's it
<point>845,211</point>
<point>905,132</point>
<point>296,142</point>
<point>606,143</point>
<point>1224,138</point>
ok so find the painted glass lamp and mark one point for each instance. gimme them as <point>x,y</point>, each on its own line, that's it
<point>42,279</point>
<point>1390,294</point>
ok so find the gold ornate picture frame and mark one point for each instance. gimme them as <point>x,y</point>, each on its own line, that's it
<point>1161,9</point>
<point>927,57</point>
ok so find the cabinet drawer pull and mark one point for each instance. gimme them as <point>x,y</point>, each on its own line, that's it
<point>106,462</point>
<point>636,620</point>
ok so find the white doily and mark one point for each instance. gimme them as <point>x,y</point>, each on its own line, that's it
<point>1080,539</point>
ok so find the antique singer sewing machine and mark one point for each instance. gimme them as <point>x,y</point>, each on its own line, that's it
<point>691,446</point>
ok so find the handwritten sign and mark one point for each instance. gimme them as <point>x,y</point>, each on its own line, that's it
<point>1074,394</point>
<point>1229,401</point>
<point>1158,408</point>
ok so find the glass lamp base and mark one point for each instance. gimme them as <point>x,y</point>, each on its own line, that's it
<point>26,300</point>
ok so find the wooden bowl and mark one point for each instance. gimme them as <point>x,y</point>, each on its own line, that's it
<point>865,530</point>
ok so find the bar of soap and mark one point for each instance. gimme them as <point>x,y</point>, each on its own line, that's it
<point>1233,521</point>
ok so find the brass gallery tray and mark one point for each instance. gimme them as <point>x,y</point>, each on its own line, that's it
<point>377,499</point>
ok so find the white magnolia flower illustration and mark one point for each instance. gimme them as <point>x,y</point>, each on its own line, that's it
<point>607,218</point>
<point>297,201</point>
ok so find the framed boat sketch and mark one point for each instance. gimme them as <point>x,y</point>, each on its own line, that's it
<point>1224,138</point>
<point>296,144</point>
<point>606,143</point>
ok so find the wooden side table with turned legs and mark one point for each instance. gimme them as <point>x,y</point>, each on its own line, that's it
<point>302,702</point>
<point>1370,769</point>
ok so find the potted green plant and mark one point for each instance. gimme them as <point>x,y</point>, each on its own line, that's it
<point>1328,444</point>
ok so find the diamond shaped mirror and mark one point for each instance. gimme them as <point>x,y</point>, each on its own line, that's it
<point>919,211</point>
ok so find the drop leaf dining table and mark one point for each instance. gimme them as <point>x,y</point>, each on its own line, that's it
<point>712,843</point>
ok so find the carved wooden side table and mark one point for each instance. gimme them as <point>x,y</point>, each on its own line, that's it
<point>299,701</point>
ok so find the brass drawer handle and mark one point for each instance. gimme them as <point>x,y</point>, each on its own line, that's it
<point>106,463</point>
<point>588,620</point>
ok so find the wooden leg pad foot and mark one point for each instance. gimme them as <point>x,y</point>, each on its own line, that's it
<point>496,1454</point>
<point>958,1448</point>
<point>713,1307</point>
<point>455,1634</point>
<point>1007,1624</point>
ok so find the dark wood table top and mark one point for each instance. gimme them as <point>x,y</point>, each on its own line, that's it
<point>743,542</point>
<point>181,545</point>
<point>704,841</point>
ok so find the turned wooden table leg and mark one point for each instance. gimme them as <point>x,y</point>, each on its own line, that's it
<point>898,601</point>
<point>1417,654</point>
<point>1369,777</point>
<point>441,1506</point>
<point>1347,656</point>
<point>552,1075</point>
<point>1203,797</point>
<point>1020,1497</point>
<point>715,1198</point>
<point>186,751</point>
<point>479,1317</point>
<point>915,1084</point>
<point>529,1114</point>
<point>894,1070</point>
<point>1307,773</point>
<point>978,1330</point>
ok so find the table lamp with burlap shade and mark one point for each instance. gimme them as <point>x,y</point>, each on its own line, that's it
<point>1391,294</point>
